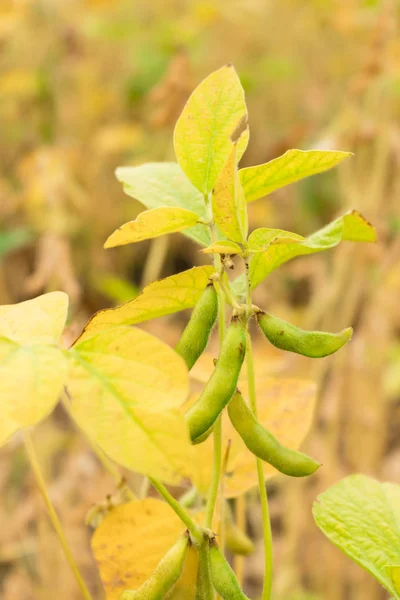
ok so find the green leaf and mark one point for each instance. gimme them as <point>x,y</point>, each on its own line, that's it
<point>126,387</point>
<point>238,286</point>
<point>361,516</point>
<point>152,223</point>
<point>32,367</point>
<point>228,201</point>
<point>261,238</point>
<point>352,227</point>
<point>164,184</point>
<point>158,299</point>
<point>260,180</point>
<point>202,136</point>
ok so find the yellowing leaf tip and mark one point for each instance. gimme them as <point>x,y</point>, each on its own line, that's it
<point>348,332</point>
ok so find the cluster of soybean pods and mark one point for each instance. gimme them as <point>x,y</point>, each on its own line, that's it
<point>221,391</point>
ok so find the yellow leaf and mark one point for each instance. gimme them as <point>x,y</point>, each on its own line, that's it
<point>260,180</point>
<point>228,201</point>
<point>223,247</point>
<point>159,298</point>
<point>125,387</point>
<point>164,184</point>
<point>32,367</point>
<point>152,223</point>
<point>37,321</point>
<point>285,408</point>
<point>356,228</point>
<point>394,574</point>
<point>131,541</point>
<point>202,134</point>
<point>31,380</point>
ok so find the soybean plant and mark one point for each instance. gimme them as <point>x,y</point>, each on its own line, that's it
<point>207,201</point>
<point>127,390</point>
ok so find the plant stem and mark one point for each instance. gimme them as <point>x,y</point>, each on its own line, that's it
<point>267,587</point>
<point>188,498</point>
<point>154,260</point>
<point>120,482</point>
<point>194,530</point>
<point>228,293</point>
<point>30,450</point>
<point>144,488</point>
<point>216,473</point>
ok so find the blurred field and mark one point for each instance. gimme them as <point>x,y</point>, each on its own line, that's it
<point>86,86</point>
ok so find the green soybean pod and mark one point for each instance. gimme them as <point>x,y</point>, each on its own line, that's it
<point>222,384</point>
<point>204,586</point>
<point>165,575</point>
<point>314,344</point>
<point>236,540</point>
<point>264,445</point>
<point>202,438</point>
<point>197,332</point>
<point>222,577</point>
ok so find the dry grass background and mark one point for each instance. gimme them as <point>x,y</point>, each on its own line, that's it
<point>86,86</point>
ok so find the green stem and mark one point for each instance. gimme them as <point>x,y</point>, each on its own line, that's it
<point>228,293</point>
<point>216,473</point>
<point>194,530</point>
<point>30,450</point>
<point>188,498</point>
<point>268,564</point>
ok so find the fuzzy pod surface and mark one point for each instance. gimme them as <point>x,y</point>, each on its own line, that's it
<point>222,384</point>
<point>264,445</point>
<point>204,586</point>
<point>314,344</point>
<point>197,332</point>
<point>222,577</point>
